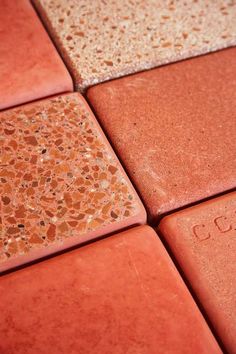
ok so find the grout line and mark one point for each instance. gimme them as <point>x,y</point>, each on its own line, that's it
<point>158,66</point>
<point>159,218</point>
<point>36,100</point>
<point>68,63</point>
<point>116,153</point>
<point>69,249</point>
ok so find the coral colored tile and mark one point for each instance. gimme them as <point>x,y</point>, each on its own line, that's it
<point>174,128</point>
<point>203,240</point>
<point>101,40</point>
<point>119,295</point>
<point>60,182</point>
<point>30,67</point>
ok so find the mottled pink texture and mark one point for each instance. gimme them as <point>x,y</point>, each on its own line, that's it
<point>121,295</point>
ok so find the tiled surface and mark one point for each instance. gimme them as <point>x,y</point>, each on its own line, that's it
<point>30,67</point>
<point>60,183</point>
<point>174,128</point>
<point>203,240</point>
<point>101,40</point>
<point>119,295</point>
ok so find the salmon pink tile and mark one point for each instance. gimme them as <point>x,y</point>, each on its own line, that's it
<point>30,67</point>
<point>60,182</point>
<point>101,40</point>
<point>174,129</point>
<point>203,240</point>
<point>118,295</point>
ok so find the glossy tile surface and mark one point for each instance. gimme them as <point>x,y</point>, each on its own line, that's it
<point>101,40</point>
<point>119,295</point>
<point>203,240</point>
<point>174,129</point>
<point>30,67</point>
<point>60,183</point>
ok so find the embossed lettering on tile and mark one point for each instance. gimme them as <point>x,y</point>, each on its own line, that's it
<point>101,40</point>
<point>60,183</point>
<point>203,241</point>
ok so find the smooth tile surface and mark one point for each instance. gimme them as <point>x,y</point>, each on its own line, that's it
<point>174,128</point>
<point>203,240</point>
<point>101,40</point>
<point>60,182</point>
<point>121,295</point>
<point>30,67</point>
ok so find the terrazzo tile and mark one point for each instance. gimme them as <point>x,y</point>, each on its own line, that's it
<point>120,295</point>
<point>60,182</point>
<point>101,40</point>
<point>30,67</point>
<point>174,129</point>
<point>203,240</point>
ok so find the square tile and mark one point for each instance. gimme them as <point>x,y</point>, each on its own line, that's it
<point>174,129</point>
<point>60,182</point>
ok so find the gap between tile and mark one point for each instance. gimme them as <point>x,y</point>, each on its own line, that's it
<point>70,249</point>
<point>53,42</point>
<point>189,287</point>
<point>158,220</point>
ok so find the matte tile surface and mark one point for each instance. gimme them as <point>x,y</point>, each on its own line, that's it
<point>101,40</point>
<point>121,295</point>
<point>174,128</point>
<point>30,67</point>
<point>203,240</point>
<point>60,182</point>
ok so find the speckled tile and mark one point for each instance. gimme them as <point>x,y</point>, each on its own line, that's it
<point>174,129</point>
<point>101,40</point>
<point>120,295</point>
<point>30,67</point>
<point>203,241</point>
<point>60,182</point>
